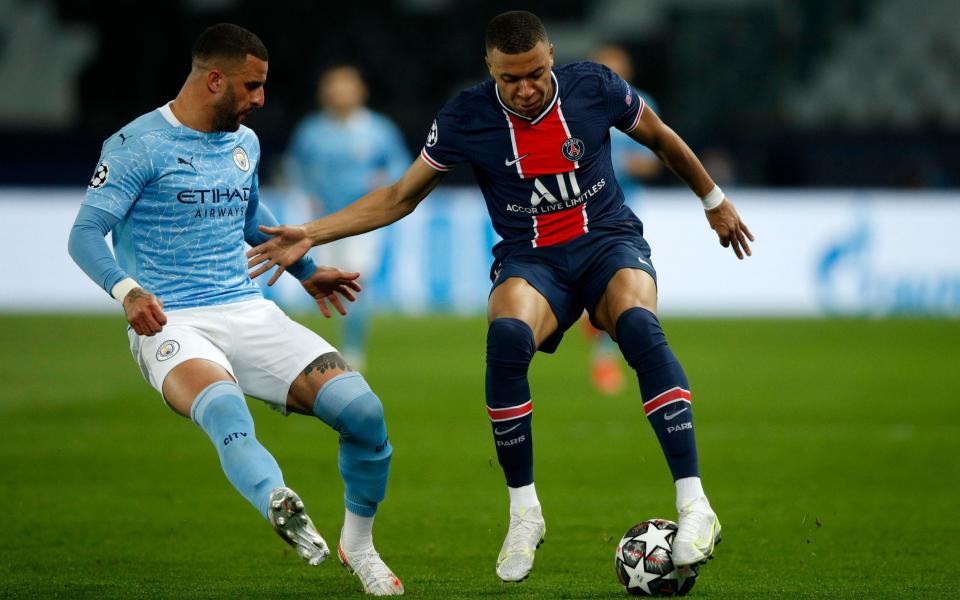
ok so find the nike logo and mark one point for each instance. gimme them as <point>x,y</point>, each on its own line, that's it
<point>674,414</point>
<point>640,258</point>
<point>509,163</point>
<point>505,431</point>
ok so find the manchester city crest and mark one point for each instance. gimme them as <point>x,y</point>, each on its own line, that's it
<point>168,349</point>
<point>572,149</point>
<point>240,158</point>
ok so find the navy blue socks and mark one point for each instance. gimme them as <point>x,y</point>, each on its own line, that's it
<point>347,404</point>
<point>510,348</point>
<point>663,387</point>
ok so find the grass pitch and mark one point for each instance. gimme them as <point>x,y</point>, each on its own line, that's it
<point>829,450</point>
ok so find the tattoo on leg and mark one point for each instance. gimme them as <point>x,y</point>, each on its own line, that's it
<point>327,362</point>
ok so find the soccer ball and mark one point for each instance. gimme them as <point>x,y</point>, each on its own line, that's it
<point>644,563</point>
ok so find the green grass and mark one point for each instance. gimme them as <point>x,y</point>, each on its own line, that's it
<point>829,449</point>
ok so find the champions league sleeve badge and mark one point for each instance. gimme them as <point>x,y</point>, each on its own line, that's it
<point>433,135</point>
<point>100,176</point>
<point>240,158</point>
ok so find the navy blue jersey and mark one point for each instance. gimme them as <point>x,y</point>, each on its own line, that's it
<point>549,179</point>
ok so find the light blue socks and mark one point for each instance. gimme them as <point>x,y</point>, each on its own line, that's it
<point>221,411</point>
<point>347,404</point>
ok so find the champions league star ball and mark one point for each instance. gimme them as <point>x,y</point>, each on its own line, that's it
<point>644,564</point>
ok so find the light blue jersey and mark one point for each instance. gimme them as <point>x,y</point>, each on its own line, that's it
<point>182,197</point>
<point>623,147</point>
<point>337,162</point>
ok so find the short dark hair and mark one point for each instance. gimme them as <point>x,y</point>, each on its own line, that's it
<point>228,41</point>
<point>514,32</point>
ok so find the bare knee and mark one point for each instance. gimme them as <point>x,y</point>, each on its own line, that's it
<point>517,299</point>
<point>185,382</point>
<point>628,288</point>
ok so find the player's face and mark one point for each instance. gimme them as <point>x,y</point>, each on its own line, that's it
<point>342,90</point>
<point>242,94</point>
<point>523,79</point>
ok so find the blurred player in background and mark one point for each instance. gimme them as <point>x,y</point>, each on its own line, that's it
<point>633,164</point>
<point>178,189</point>
<point>538,141</point>
<point>337,155</point>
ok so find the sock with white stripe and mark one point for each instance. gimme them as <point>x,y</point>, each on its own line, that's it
<point>510,348</point>
<point>663,386</point>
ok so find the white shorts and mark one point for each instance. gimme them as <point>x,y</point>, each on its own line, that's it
<point>259,345</point>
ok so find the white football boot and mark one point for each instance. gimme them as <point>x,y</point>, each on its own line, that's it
<point>374,574</point>
<point>524,536</point>
<point>697,533</point>
<point>286,514</point>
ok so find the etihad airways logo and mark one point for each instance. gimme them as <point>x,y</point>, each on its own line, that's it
<point>214,196</point>
<point>230,202</point>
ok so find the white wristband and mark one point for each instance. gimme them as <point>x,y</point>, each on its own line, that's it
<point>120,291</point>
<point>713,198</point>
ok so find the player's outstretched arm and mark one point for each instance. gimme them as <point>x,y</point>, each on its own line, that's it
<point>328,284</point>
<point>377,209</point>
<point>679,158</point>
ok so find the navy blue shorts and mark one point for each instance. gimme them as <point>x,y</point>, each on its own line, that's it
<point>574,276</point>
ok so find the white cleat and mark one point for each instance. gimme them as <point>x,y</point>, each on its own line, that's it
<point>524,536</point>
<point>374,574</point>
<point>697,533</point>
<point>286,514</point>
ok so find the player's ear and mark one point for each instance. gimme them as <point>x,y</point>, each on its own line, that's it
<point>215,81</point>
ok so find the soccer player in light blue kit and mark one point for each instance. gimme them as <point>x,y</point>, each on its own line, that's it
<point>339,154</point>
<point>178,189</point>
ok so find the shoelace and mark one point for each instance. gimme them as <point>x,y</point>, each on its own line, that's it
<point>371,568</point>
<point>528,535</point>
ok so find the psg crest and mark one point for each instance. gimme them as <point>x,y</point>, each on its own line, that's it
<point>572,149</point>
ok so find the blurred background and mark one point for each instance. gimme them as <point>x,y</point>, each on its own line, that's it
<point>833,124</point>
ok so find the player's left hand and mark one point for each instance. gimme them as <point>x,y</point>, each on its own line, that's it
<point>730,229</point>
<point>288,245</point>
<point>328,284</point>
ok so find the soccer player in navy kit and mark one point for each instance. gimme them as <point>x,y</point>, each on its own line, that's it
<point>538,141</point>
<point>179,190</point>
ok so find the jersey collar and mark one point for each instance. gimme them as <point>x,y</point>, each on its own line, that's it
<point>546,109</point>
<point>169,116</point>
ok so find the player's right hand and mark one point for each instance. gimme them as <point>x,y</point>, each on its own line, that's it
<point>731,230</point>
<point>144,312</point>
<point>288,245</point>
